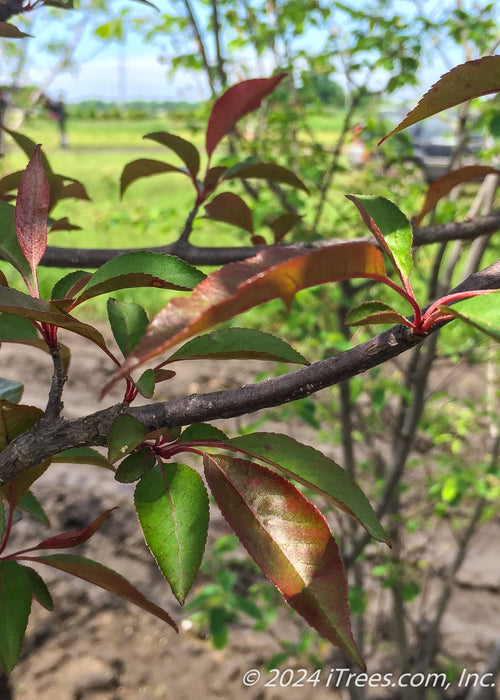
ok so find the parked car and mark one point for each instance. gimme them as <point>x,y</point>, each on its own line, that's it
<point>427,149</point>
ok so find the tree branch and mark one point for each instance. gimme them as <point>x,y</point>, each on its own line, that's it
<point>199,255</point>
<point>43,441</point>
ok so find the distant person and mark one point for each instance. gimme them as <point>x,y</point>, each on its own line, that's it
<point>3,109</point>
<point>58,112</point>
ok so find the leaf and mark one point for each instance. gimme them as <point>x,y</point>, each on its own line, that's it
<point>101,576</point>
<point>231,209</point>
<point>374,312</point>
<point>444,184</point>
<point>236,287</point>
<point>235,103</point>
<point>238,343</point>
<point>135,465</point>
<point>125,433</point>
<point>460,84</point>
<point>11,390</point>
<point>202,431</point>
<point>144,167</point>
<point>32,210</point>
<point>313,469</point>
<point>15,327</point>
<point>390,227</point>
<point>128,323</point>
<point>142,269</point>
<point>289,540</point>
<point>29,146</point>
<point>82,455</point>
<point>10,249</point>
<point>172,505</point>
<point>30,504</point>
<point>69,285</point>
<point>267,171</point>
<point>39,589</point>
<point>186,151</point>
<point>72,538</point>
<point>19,304</point>
<point>63,187</point>
<point>62,224</point>
<point>283,224</point>
<point>15,420</point>
<point>10,31</point>
<point>15,606</point>
<point>146,384</point>
<point>482,312</point>
<point>212,178</point>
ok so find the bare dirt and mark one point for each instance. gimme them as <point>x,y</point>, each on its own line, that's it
<point>94,646</point>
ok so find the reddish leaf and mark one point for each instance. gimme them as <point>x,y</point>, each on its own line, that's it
<point>184,149</point>
<point>462,83</point>
<point>32,210</point>
<point>444,184</point>
<point>374,312</point>
<point>266,171</point>
<point>10,31</point>
<point>144,167</point>
<point>239,100</point>
<point>290,541</point>
<point>63,224</point>
<point>101,576</point>
<point>231,209</point>
<point>73,537</point>
<point>258,240</point>
<point>283,224</point>
<point>212,178</point>
<point>273,273</point>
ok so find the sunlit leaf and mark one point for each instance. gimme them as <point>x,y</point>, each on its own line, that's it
<point>390,227</point>
<point>238,343</point>
<point>15,606</point>
<point>172,505</point>
<point>273,273</point>
<point>231,209</point>
<point>482,312</point>
<point>289,540</point>
<point>184,149</point>
<point>126,432</point>
<point>460,84</point>
<point>142,269</point>
<point>101,576</point>
<point>372,312</point>
<point>313,469</point>
<point>444,184</point>
<point>70,285</point>
<point>238,101</point>
<point>144,167</point>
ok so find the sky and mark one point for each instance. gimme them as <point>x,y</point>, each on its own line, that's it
<point>131,71</point>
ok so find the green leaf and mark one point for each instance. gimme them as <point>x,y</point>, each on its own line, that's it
<point>202,431</point>
<point>290,541</point>
<point>173,510</point>
<point>69,285</point>
<point>15,606</point>
<point>128,323</point>
<point>39,589</point>
<point>313,469</point>
<point>184,149</point>
<point>125,434</point>
<point>142,269</point>
<point>101,576</point>
<point>460,84</point>
<point>369,312</point>
<point>10,390</point>
<point>145,167</point>
<point>266,171</point>
<point>238,343</point>
<point>82,455</point>
<point>30,503</point>
<point>390,227</point>
<point>146,384</point>
<point>10,249</point>
<point>15,327</point>
<point>10,31</point>
<point>135,465</point>
<point>218,624</point>
<point>231,209</point>
<point>482,312</point>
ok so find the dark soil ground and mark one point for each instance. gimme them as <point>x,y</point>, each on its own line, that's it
<point>94,646</point>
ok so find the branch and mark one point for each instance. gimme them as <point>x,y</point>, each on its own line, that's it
<point>42,442</point>
<point>199,255</point>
